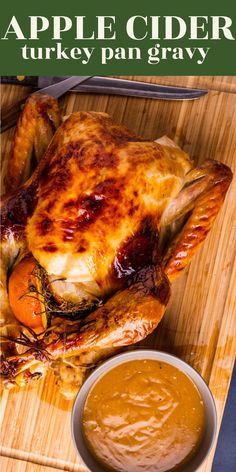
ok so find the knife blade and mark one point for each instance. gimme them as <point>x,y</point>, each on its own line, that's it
<point>113,86</point>
<point>134,88</point>
<point>106,85</point>
<point>59,88</point>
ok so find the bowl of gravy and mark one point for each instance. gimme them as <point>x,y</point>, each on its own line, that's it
<point>144,411</point>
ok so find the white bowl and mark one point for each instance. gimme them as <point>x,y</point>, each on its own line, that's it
<point>210,410</point>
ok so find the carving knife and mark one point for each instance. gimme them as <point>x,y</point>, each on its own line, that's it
<point>105,85</point>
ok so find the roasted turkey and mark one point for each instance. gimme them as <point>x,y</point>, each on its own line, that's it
<point>90,224</point>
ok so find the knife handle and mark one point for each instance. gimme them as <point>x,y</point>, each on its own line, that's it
<point>10,114</point>
<point>20,80</point>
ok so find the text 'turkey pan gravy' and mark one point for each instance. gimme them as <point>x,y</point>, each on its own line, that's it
<point>143,415</point>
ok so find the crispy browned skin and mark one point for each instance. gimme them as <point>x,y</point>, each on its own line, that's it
<point>203,198</point>
<point>91,215</point>
<point>126,318</point>
<point>34,131</point>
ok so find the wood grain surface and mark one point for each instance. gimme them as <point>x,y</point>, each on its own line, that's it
<point>199,325</point>
<point>8,464</point>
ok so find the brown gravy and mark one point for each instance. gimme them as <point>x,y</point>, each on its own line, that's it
<point>143,415</point>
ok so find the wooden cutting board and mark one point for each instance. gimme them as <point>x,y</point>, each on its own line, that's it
<point>199,325</point>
